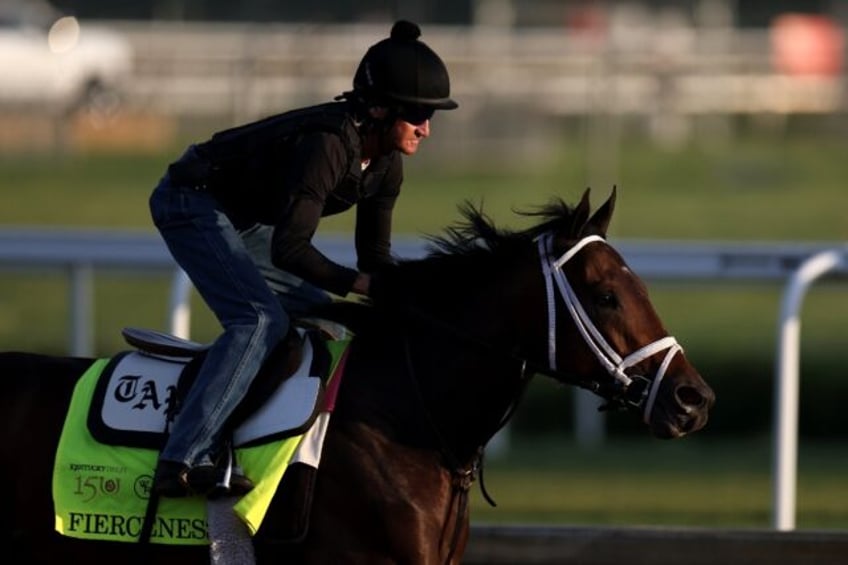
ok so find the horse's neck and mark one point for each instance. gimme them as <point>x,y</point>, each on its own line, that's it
<point>492,387</point>
<point>443,394</point>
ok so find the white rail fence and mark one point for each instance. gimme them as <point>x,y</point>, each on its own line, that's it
<point>80,253</point>
<point>788,380</point>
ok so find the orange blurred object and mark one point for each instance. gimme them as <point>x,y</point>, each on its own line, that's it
<point>807,44</point>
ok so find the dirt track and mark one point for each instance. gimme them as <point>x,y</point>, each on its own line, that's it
<point>577,545</point>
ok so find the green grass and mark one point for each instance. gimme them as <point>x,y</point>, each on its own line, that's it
<point>86,190</point>
<point>783,189</point>
<point>747,190</point>
<point>688,482</point>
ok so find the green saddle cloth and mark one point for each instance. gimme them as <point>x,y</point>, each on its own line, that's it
<point>100,491</point>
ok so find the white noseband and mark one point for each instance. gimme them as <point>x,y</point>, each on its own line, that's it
<point>614,364</point>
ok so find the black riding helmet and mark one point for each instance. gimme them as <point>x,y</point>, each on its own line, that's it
<point>403,71</point>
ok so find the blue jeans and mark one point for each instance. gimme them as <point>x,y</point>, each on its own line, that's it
<point>295,294</point>
<point>213,254</point>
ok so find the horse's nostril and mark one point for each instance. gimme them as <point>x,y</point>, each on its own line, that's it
<point>689,396</point>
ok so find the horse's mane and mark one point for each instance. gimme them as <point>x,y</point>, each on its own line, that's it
<point>467,253</point>
<point>479,231</point>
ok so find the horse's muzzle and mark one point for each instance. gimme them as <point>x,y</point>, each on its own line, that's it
<point>682,407</point>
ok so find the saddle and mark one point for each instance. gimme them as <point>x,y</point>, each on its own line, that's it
<point>140,391</point>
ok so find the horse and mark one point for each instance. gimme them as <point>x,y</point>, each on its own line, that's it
<point>441,355</point>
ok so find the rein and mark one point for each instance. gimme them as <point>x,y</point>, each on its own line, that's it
<point>637,391</point>
<point>461,477</point>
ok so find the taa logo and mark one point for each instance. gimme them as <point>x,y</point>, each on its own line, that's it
<point>142,394</point>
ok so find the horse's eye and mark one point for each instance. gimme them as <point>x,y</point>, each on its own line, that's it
<point>606,300</point>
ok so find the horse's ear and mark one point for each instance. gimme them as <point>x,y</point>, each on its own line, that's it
<point>601,218</point>
<point>580,215</point>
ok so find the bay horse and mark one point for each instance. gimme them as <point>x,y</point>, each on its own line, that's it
<point>439,360</point>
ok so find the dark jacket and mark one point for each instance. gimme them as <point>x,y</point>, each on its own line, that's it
<point>292,169</point>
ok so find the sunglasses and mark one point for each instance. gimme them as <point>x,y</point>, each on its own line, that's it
<point>416,115</point>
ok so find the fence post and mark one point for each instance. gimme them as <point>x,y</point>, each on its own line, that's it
<point>589,423</point>
<point>81,298</point>
<point>787,384</point>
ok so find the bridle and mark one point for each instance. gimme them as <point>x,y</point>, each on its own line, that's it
<point>637,391</point>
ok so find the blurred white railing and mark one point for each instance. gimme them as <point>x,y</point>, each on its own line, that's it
<point>248,70</point>
<point>788,379</point>
<point>80,252</point>
<point>520,90</point>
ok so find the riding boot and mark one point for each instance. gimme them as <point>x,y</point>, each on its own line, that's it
<point>231,480</point>
<point>174,480</point>
<point>171,479</point>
